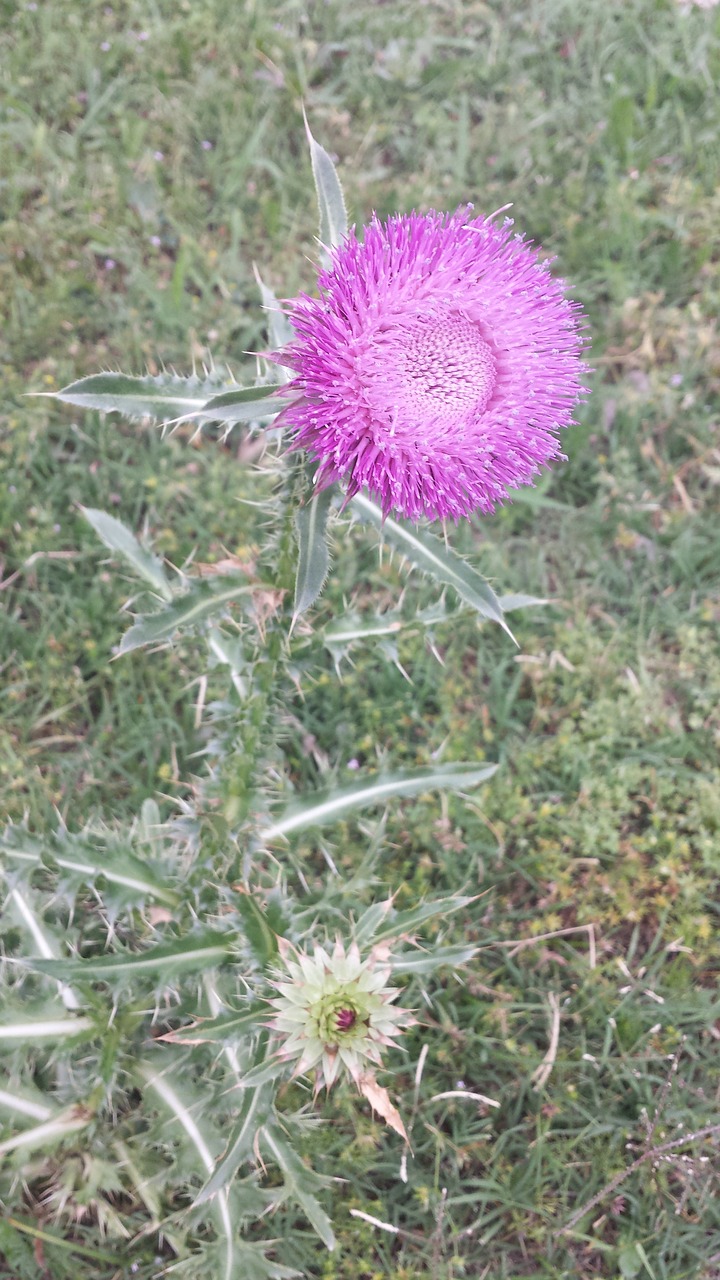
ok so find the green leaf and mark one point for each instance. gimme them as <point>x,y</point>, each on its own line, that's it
<point>186,1109</point>
<point>170,400</point>
<point>205,600</point>
<point>381,922</point>
<point>645,1260</point>
<point>77,855</point>
<point>40,1027</point>
<point>280,330</point>
<point>13,1256</point>
<point>228,651</point>
<point>328,806</point>
<point>246,404</point>
<point>219,1030</point>
<point>254,1110</point>
<point>28,1102</point>
<point>299,1181</point>
<point>433,557</point>
<point>173,1097</point>
<point>119,539</point>
<point>519,601</point>
<point>44,941</point>
<point>421,962</point>
<point>313,553</point>
<point>257,928</point>
<point>165,397</point>
<point>269,1069</point>
<point>351,627</point>
<point>183,955</point>
<point>331,203</point>
<point>17,1252</point>
<point>50,1131</point>
<point>629,1262</point>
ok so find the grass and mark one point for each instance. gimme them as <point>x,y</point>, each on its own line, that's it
<point>142,177</point>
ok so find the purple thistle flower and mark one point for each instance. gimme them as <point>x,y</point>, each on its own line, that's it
<point>436,367</point>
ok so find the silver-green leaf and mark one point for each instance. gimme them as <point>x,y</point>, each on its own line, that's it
<point>331,202</point>
<point>245,404</point>
<point>429,554</point>
<point>121,541</point>
<point>183,955</point>
<point>164,397</point>
<point>191,1119</point>
<point>280,330</point>
<point>223,1029</point>
<point>254,1110</point>
<point>328,806</point>
<point>422,962</point>
<point>77,855</point>
<point>313,552</point>
<point>44,1027</point>
<point>381,921</point>
<point>299,1183</point>
<point>204,601</point>
<point>519,600</point>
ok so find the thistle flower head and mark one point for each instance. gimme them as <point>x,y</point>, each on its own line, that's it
<point>436,367</point>
<point>335,1011</point>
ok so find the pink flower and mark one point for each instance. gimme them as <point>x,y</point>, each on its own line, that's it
<point>436,367</point>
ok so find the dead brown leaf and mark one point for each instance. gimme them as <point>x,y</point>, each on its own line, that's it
<point>379,1100</point>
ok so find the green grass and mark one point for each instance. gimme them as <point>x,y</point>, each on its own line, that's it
<point>127,242</point>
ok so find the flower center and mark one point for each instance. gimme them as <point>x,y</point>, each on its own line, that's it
<point>345,1019</point>
<point>433,365</point>
<point>338,1014</point>
<point>447,364</point>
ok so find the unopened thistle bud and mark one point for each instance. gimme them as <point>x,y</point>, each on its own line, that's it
<point>335,1013</point>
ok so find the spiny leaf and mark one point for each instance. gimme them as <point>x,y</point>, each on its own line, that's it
<point>164,397</point>
<point>203,601</point>
<point>331,203</point>
<point>28,1102</point>
<point>183,955</point>
<point>381,922</point>
<point>206,1259</point>
<point>172,1096</point>
<point>313,554</point>
<point>246,404</point>
<point>17,1251</point>
<point>257,928</point>
<point>16,1257</point>
<point>432,556</point>
<point>169,399</point>
<point>55,1129</point>
<point>44,941</point>
<point>186,1109</point>
<point>265,1071</point>
<point>118,538</point>
<point>40,1027</point>
<point>519,601</point>
<point>300,1181</point>
<point>280,330</point>
<point>220,1030</point>
<point>328,806</point>
<point>78,855</point>
<point>421,962</point>
<point>352,628</point>
<point>254,1110</point>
